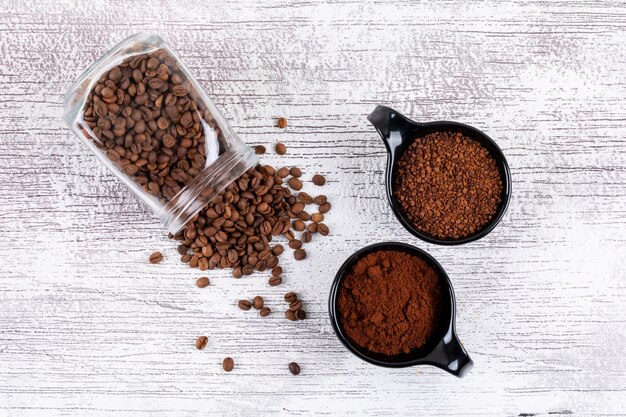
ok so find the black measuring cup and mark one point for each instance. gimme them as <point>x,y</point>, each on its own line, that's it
<point>443,349</point>
<point>398,132</point>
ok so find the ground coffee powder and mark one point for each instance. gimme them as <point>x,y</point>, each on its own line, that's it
<point>390,302</point>
<point>448,185</point>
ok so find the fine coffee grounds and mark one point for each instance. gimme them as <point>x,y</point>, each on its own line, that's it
<point>448,185</point>
<point>390,302</point>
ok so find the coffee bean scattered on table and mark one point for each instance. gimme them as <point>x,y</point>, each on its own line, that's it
<point>447,185</point>
<point>201,342</point>
<point>275,280</point>
<point>259,149</point>
<point>156,257</point>
<point>319,180</point>
<point>244,305</point>
<point>281,149</point>
<point>281,123</point>
<point>294,368</point>
<point>265,311</point>
<point>257,302</point>
<point>228,364</point>
<point>202,282</point>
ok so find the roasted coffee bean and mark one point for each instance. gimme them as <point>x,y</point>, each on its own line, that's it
<point>257,302</point>
<point>182,249</point>
<point>294,368</point>
<point>320,199</point>
<point>275,280</point>
<point>295,183</point>
<point>322,229</point>
<point>281,149</point>
<point>297,208</point>
<point>295,244</point>
<point>278,250</point>
<point>299,225</point>
<point>295,305</point>
<point>247,269</point>
<point>291,315</point>
<point>319,180</point>
<point>304,198</point>
<point>228,364</point>
<point>237,272</point>
<point>265,311</point>
<point>305,237</point>
<point>290,297</point>
<point>324,208</point>
<point>304,216</point>
<point>202,282</point>
<point>276,271</point>
<point>281,122</point>
<point>201,342</point>
<point>283,172</point>
<point>317,217</point>
<point>244,305</point>
<point>295,172</point>
<point>300,314</point>
<point>259,149</point>
<point>156,257</point>
<point>299,254</point>
<point>312,227</point>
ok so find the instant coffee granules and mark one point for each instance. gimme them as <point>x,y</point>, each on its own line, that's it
<point>447,185</point>
<point>390,302</point>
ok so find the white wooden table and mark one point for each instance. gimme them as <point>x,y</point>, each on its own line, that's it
<point>89,328</point>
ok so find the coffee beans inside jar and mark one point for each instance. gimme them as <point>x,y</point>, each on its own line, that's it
<point>447,185</point>
<point>149,120</point>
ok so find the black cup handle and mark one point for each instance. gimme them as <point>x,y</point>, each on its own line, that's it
<point>451,356</point>
<point>391,126</point>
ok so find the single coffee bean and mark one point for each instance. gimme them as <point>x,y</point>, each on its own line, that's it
<point>294,368</point>
<point>281,149</point>
<point>324,208</point>
<point>322,229</point>
<point>277,270</point>
<point>295,183</point>
<point>304,216</point>
<point>290,297</point>
<point>278,250</point>
<point>244,305</point>
<point>319,180</point>
<point>295,172</point>
<point>304,197</point>
<point>305,237</point>
<point>317,217</point>
<point>259,149</point>
<point>283,172</point>
<point>320,199</point>
<point>289,235</point>
<point>299,254</point>
<point>297,208</point>
<point>312,227</point>
<point>265,311</point>
<point>201,342</point>
<point>156,257</point>
<point>202,282</point>
<point>257,302</point>
<point>228,364</point>
<point>281,123</point>
<point>299,225</point>
<point>300,314</point>
<point>237,272</point>
<point>275,280</point>
<point>247,269</point>
<point>295,244</point>
<point>295,305</point>
<point>291,315</point>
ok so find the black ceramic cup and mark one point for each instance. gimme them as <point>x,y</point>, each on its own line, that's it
<point>443,348</point>
<point>398,132</point>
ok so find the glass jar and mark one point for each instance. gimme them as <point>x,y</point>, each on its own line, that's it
<point>148,120</point>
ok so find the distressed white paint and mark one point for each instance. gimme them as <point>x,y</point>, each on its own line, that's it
<point>89,328</point>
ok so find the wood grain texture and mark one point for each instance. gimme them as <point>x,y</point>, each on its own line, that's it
<point>89,328</point>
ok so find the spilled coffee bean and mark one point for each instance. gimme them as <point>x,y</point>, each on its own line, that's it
<point>228,364</point>
<point>294,368</point>
<point>156,258</point>
<point>201,342</point>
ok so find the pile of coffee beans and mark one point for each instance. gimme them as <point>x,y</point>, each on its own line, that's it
<point>295,310</point>
<point>147,118</point>
<point>448,185</point>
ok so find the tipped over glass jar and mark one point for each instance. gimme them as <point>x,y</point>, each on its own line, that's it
<point>148,120</point>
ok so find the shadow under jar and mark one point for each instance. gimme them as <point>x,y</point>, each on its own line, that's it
<point>447,183</point>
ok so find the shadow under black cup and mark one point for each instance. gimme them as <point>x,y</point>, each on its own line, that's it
<point>442,349</point>
<point>399,132</point>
